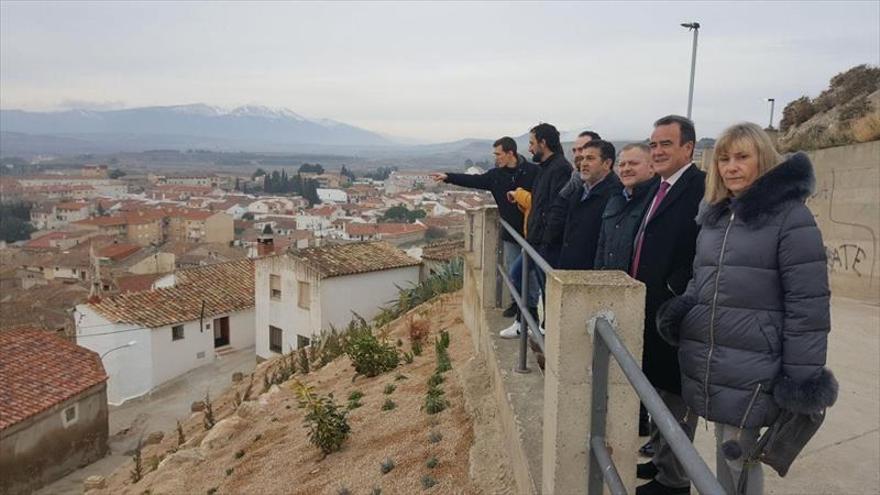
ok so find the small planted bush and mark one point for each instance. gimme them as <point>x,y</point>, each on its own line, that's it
<point>417,348</point>
<point>435,401</point>
<point>208,420</point>
<point>326,421</point>
<point>435,437</point>
<point>304,367</point>
<point>443,362</point>
<point>239,454</point>
<point>444,338</point>
<point>428,481</point>
<point>386,466</point>
<point>389,389</point>
<point>388,405</point>
<point>408,357</point>
<point>436,379</point>
<point>369,356</point>
<point>137,472</point>
<point>432,463</point>
<point>354,399</point>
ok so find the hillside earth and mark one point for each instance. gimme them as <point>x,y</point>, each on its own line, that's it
<point>262,446</point>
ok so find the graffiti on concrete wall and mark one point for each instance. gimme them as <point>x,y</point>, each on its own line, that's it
<point>857,257</point>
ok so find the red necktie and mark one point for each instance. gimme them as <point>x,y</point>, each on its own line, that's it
<point>640,237</point>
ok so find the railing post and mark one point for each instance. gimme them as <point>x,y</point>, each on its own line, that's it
<point>573,297</point>
<point>488,243</point>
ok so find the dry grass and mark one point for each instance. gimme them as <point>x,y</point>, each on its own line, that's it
<point>867,128</point>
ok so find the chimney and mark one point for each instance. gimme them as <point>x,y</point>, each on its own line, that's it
<point>266,241</point>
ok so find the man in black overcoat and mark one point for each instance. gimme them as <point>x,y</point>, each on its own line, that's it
<point>663,255</point>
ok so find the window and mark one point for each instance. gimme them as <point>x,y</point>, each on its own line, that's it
<point>69,415</point>
<point>275,336</point>
<point>275,287</point>
<point>304,295</point>
<point>177,332</point>
<point>302,341</point>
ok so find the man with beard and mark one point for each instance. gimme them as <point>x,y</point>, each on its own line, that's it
<point>553,173</point>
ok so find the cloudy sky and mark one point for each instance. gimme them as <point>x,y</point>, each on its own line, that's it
<point>435,71</point>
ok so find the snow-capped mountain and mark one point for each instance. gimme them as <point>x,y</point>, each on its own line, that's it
<point>245,127</point>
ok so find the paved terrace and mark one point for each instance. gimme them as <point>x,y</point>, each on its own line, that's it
<point>843,458</point>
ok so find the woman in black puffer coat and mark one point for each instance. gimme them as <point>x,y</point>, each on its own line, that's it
<point>752,326</point>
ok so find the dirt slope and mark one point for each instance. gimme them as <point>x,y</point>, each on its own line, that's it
<point>263,448</point>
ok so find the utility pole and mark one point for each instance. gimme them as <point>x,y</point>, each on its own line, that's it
<point>772,106</point>
<point>695,27</point>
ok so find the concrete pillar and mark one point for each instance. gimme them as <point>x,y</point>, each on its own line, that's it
<point>489,243</point>
<point>573,298</point>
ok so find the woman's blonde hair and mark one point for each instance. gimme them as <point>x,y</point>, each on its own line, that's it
<point>735,135</point>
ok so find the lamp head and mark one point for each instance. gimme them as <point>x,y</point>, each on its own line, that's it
<point>691,25</point>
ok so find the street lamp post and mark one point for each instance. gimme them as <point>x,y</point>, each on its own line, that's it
<point>695,27</point>
<point>133,342</point>
<point>772,106</point>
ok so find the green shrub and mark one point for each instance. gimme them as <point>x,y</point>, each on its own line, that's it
<point>331,346</point>
<point>386,466</point>
<point>327,422</point>
<point>229,471</point>
<point>388,405</point>
<point>435,401</point>
<point>444,338</point>
<point>239,454</point>
<point>435,436</point>
<point>432,463</point>
<point>408,357</point>
<point>436,379</point>
<point>443,362</point>
<point>355,395</point>
<point>137,472</point>
<point>428,482</point>
<point>417,348</point>
<point>376,491</point>
<point>400,376</point>
<point>369,356</point>
<point>389,389</point>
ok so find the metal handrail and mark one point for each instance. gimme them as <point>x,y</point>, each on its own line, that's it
<point>607,343</point>
<point>532,327</point>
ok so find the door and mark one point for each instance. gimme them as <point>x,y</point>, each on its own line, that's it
<point>221,332</point>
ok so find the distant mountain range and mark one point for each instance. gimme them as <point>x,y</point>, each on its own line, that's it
<point>244,129</point>
<point>253,128</point>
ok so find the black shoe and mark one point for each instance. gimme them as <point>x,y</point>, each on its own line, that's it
<point>644,430</point>
<point>511,311</point>
<point>646,470</point>
<point>647,450</point>
<point>654,487</point>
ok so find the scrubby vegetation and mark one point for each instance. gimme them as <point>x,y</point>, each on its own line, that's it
<point>842,114</point>
<point>326,421</point>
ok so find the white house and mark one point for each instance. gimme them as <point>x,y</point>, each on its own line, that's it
<point>332,195</point>
<point>301,293</point>
<point>175,327</point>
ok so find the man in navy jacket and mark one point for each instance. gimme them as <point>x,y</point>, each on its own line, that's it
<point>511,172</point>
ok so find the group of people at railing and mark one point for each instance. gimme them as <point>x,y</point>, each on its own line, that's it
<point>737,297</point>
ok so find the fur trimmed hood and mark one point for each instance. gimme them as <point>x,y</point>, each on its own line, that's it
<point>791,180</point>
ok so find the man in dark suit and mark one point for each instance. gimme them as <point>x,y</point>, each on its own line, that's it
<point>663,255</point>
<point>585,206</point>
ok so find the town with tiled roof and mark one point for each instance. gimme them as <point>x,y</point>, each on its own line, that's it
<point>115,288</point>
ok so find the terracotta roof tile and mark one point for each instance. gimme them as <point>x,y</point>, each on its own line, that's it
<point>357,257</point>
<point>444,250</point>
<point>224,287</point>
<point>41,370</point>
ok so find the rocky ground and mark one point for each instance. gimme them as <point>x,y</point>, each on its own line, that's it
<point>262,446</point>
